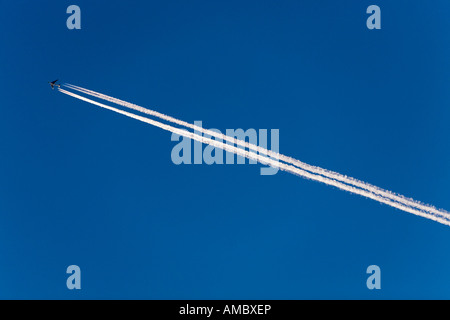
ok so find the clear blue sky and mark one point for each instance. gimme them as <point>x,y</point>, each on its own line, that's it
<point>85,186</point>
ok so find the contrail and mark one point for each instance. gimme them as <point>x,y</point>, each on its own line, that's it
<point>317,170</point>
<point>441,217</point>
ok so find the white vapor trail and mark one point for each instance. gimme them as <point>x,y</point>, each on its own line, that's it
<point>313,169</point>
<point>441,217</point>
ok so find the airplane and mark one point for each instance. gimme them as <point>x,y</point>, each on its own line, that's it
<point>53,84</point>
